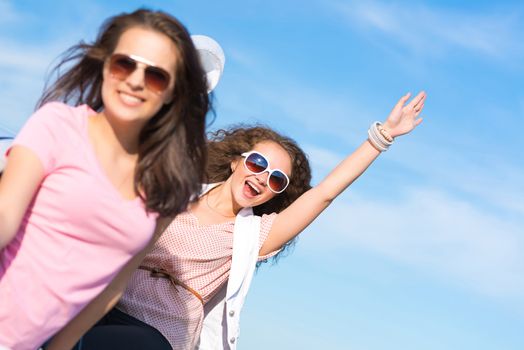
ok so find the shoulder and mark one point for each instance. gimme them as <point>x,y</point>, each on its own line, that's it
<point>61,118</point>
<point>60,110</point>
<point>266,222</point>
<point>268,218</point>
<point>246,215</point>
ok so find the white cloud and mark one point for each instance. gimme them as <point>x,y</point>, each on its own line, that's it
<point>314,109</point>
<point>427,30</point>
<point>456,161</point>
<point>24,66</point>
<point>437,233</point>
<point>491,178</point>
<point>24,58</point>
<point>24,69</point>
<point>462,223</point>
<point>320,158</point>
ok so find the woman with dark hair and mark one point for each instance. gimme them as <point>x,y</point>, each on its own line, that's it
<point>194,280</point>
<point>85,183</point>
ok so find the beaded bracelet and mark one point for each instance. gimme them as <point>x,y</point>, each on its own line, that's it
<point>379,137</point>
<point>384,133</point>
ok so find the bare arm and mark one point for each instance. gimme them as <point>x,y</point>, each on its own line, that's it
<point>18,184</point>
<point>103,303</point>
<point>295,218</point>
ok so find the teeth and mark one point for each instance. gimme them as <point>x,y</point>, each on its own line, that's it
<point>130,99</point>
<point>253,187</point>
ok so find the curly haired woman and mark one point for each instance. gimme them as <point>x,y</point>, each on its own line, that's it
<point>191,286</point>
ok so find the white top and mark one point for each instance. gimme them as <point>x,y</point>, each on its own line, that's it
<point>4,146</point>
<point>245,254</point>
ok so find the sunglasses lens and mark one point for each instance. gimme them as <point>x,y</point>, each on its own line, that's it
<point>256,163</point>
<point>278,181</point>
<point>156,79</point>
<point>121,66</point>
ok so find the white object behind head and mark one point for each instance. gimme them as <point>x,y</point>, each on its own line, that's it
<point>4,145</point>
<point>212,59</point>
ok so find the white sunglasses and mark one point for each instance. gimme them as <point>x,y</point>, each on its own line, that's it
<point>257,163</point>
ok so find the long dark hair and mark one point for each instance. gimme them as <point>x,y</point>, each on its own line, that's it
<point>226,145</point>
<point>172,153</point>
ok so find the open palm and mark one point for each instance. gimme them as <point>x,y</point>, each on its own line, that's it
<point>405,117</point>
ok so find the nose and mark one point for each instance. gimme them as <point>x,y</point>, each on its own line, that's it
<point>262,178</point>
<point>136,80</point>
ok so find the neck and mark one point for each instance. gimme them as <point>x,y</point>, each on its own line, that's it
<point>221,200</point>
<point>122,136</point>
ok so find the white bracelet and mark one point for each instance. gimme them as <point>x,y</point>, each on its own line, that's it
<point>375,143</point>
<point>377,138</point>
<point>377,126</point>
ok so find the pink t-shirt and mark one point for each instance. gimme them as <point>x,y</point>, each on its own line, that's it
<point>75,236</point>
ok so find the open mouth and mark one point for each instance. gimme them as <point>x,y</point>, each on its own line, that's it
<point>250,189</point>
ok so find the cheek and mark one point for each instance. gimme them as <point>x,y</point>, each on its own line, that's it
<point>157,101</point>
<point>107,79</point>
<point>168,96</point>
<point>105,91</point>
<point>237,178</point>
<point>269,195</point>
<point>108,83</point>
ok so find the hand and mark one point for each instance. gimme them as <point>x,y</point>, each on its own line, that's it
<point>404,117</point>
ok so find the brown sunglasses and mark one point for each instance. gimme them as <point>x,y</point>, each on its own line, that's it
<point>122,66</point>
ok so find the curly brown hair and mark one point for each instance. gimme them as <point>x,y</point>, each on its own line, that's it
<point>226,145</point>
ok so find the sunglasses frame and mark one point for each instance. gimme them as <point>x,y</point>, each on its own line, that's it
<point>268,169</point>
<point>137,60</point>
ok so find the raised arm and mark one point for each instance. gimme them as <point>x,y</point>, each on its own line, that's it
<point>66,338</point>
<point>290,222</point>
<point>18,184</point>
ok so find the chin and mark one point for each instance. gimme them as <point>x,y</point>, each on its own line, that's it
<point>257,202</point>
<point>129,115</point>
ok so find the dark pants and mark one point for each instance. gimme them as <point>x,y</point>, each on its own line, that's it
<point>118,330</point>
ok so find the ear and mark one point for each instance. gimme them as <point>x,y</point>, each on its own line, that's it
<point>169,98</point>
<point>234,164</point>
<point>105,70</point>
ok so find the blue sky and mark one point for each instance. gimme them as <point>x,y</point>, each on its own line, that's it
<point>425,251</point>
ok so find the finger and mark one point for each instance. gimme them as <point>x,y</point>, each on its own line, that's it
<point>418,99</point>
<point>418,108</point>
<point>402,101</point>
<point>418,121</point>
<point>420,104</point>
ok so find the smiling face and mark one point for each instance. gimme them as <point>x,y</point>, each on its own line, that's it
<point>250,190</point>
<point>129,99</point>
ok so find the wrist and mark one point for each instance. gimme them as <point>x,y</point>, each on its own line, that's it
<point>387,130</point>
<point>379,137</point>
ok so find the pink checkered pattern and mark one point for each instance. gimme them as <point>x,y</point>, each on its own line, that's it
<point>197,255</point>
